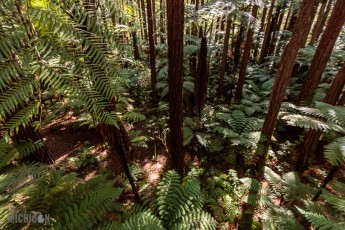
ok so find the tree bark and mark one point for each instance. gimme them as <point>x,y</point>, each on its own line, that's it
<point>318,25</point>
<point>246,56</point>
<point>325,182</point>
<point>161,19</point>
<point>237,53</point>
<point>323,52</point>
<point>175,9</point>
<point>281,81</point>
<point>119,144</point>
<point>202,76</point>
<point>323,22</point>
<point>224,57</point>
<point>268,30</point>
<point>144,18</point>
<point>312,137</point>
<point>152,55</point>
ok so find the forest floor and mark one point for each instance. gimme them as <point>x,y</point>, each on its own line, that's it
<point>66,139</point>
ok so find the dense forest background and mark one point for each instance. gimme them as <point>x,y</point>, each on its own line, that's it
<point>172,114</point>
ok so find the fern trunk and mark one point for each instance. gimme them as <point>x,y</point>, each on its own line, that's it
<point>237,53</point>
<point>43,154</point>
<point>119,145</point>
<point>246,57</point>
<point>323,52</point>
<point>175,9</point>
<point>152,54</point>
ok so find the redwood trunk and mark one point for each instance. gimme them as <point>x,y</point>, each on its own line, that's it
<point>282,78</point>
<point>143,12</point>
<point>224,57</point>
<point>317,26</point>
<point>175,9</point>
<point>323,52</point>
<point>281,81</point>
<point>152,55</point>
<point>202,76</point>
<point>312,137</point>
<point>267,34</point>
<point>246,56</point>
<point>237,53</point>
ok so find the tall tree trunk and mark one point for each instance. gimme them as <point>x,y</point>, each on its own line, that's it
<point>312,137</point>
<point>323,52</point>
<point>281,81</point>
<point>161,19</point>
<point>175,10</point>
<point>246,56</point>
<point>154,21</point>
<point>287,18</point>
<point>324,19</point>
<point>144,18</point>
<point>152,55</point>
<point>277,24</point>
<point>283,75</point>
<point>269,28</point>
<point>202,76</point>
<point>317,26</point>
<point>224,57</point>
<point>237,53</point>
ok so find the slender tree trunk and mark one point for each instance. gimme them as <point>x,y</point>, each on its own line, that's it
<point>276,27</point>
<point>246,56</point>
<point>312,137</point>
<point>119,144</point>
<point>237,53</point>
<point>152,55</point>
<point>283,75</point>
<point>140,18</point>
<point>202,76</point>
<point>154,21</point>
<point>317,26</point>
<point>161,21</point>
<point>143,12</point>
<point>281,81</point>
<point>269,27</point>
<point>287,19</point>
<point>324,19</point>
<point>293,19</point>
<point>342,100</point>
<point>175,10</point>
<point>325,182</point>
<point>323,52</point>
<point>224,57</point>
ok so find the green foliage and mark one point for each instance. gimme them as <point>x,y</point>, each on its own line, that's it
<point>174,206</point>
<point>323,117</point>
